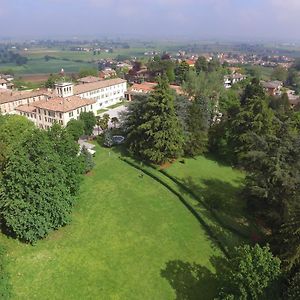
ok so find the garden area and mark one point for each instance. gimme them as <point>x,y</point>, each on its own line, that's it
<point>130,238</point>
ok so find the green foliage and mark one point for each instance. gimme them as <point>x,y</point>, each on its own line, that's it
<point>115,121</point>
<point>201,65</point>
<point>34,199</point>
<point>280,73</point>
<point>253,90</point>
<point>102,122</point>
<point>287,242</point>
<point>208,85</point>
<point>89,121</point>
<point>12,130</point>
<point>88,72</point>
<point>249,272</point>
<point>75,128</point>
<point>158,67</point>
<point>181,72</point>
<point>52,79</point>
<point>294,288</point>
<point>154,131</point>
<point>229,100</point>
<point>87,160</point>
<point>254,118</point>
<point>213,65</point>
<point>198,121</point>
<point>67,150</point>
<point>280,104</point>
<point>293,79</point>
<point>108,140</point>
<point>273,179</point>
<point>5,286</point>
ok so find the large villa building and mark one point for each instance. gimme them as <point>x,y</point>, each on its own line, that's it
<point>45,107</point>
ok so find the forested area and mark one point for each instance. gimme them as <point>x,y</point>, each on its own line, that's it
<point>8,56</point>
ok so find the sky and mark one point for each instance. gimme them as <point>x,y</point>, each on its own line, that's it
<point>189,19</point>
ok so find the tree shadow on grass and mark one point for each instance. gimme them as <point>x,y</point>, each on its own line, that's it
<point>223,204</point>
<point>190,281</point>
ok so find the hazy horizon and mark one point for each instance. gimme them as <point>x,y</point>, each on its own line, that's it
<point>253,20</point>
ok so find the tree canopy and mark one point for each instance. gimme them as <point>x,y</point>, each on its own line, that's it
<point>153,128</point>
<point>35,198</point>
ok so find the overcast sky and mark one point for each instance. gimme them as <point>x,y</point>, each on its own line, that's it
<point>192,19</point>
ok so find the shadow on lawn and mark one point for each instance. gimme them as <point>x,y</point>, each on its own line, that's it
<point>192,281</point>
<point>221,199</point>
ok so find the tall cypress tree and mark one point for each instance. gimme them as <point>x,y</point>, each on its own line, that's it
<point>158,136</point>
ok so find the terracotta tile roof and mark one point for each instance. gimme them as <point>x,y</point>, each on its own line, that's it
<point>63,104</point>
<point>147,87</point>
<point>3,80</point>
<point>83,88</point>
<point>89,79</point>
<point>10,96</point>
<point>190,62</point>
<point>26,108</point>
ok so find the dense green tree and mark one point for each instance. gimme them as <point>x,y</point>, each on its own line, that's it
<point>34,198</point>
<point>87,160</point>
<point>88,72</point>
<point>229,101</point>
<point>102,122</point>
<point>213,65</point>
<point>108,139</point>
<point>115,121</point>
<point>248,273</point>
<point>255,119</point>
<point>293,79</point>
<point>67,150</point>
<point>209,85</point>
<point>89,121</point>
<point>155,134</point>
<point>201,65</point>
<point>75,128</point>
<point>181,72</point>
<point>280,73</point>
<point>253,90</point>
<point>287,241</point>
<point>158,67</point>
<point>293,292</point>
<point>280,104</point>
<point>273,177</point>
<point>12,130</point>
<point>52,79</point>
<point>198,121</point>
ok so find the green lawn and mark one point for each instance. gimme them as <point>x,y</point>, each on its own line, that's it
<point>219,187</point>
<point>130,238</point>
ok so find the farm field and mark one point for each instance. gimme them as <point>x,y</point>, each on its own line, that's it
<point>130,238</point>
<point>70,61</point>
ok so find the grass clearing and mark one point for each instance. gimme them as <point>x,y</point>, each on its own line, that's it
<point>219,187</point>
<point>130,238</point>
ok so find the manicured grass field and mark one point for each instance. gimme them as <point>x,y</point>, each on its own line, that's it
<point>130,238</point>
<point>219,186</point>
